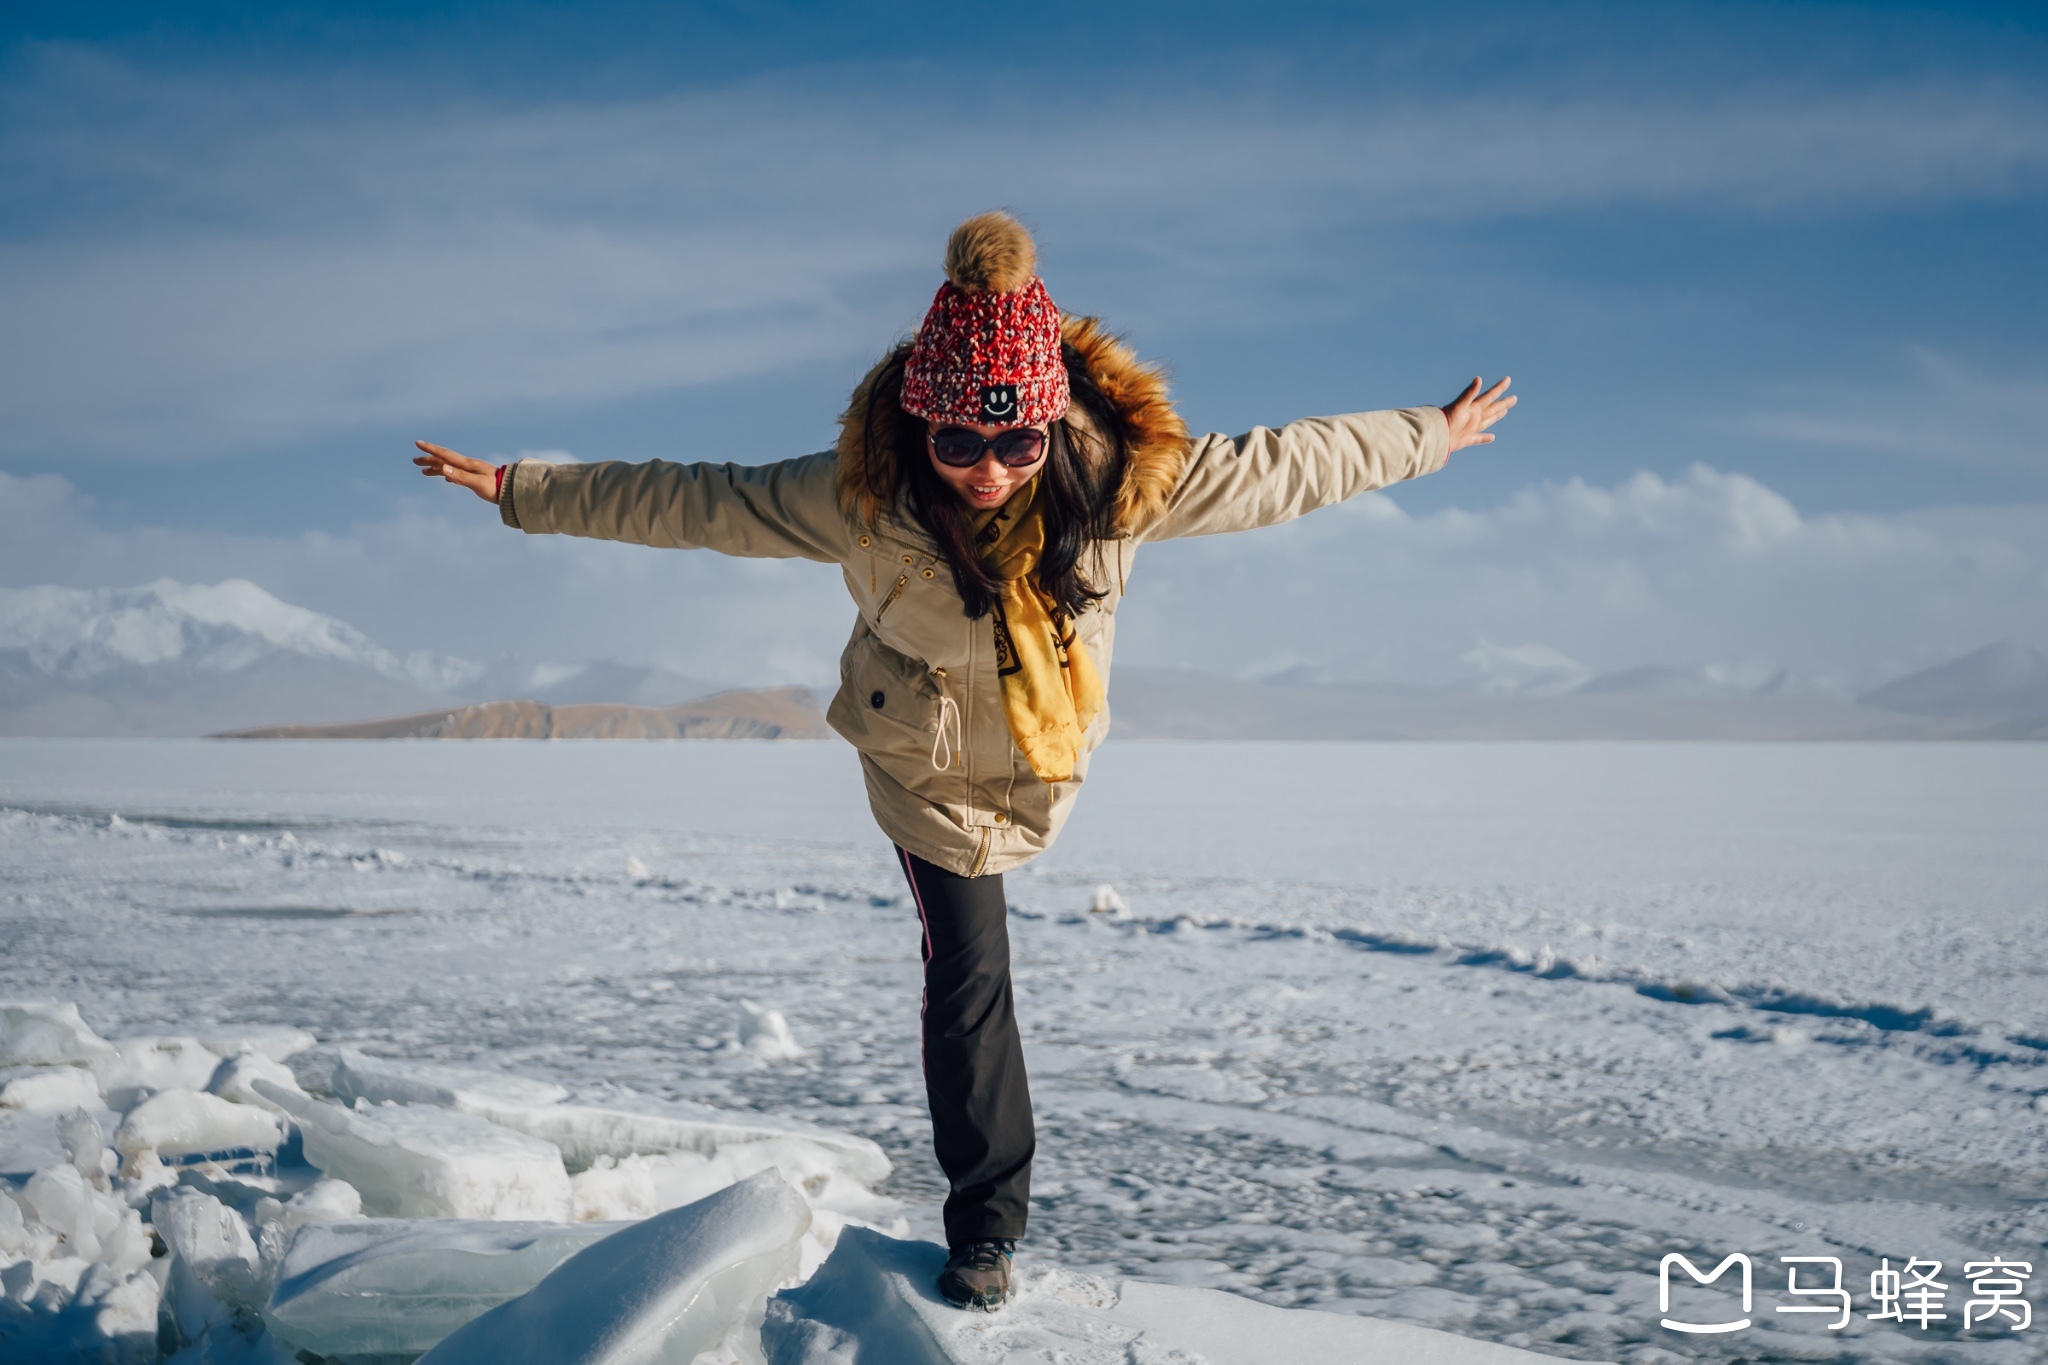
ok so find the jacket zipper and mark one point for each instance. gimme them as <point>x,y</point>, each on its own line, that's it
<point>902,582</point>
<point>981,853</point>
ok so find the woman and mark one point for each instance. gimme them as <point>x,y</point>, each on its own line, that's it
<point>993,481</point>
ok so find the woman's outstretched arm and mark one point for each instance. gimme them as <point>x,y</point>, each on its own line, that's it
<point>1274,474</point>
<point>786,510</point>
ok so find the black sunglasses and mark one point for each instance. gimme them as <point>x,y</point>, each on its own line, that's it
<point>959,448</point>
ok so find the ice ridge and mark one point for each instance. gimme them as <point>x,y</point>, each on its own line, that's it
<point>1544,964</point>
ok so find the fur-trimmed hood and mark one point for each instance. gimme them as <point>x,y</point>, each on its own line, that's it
<point>1156,440</point>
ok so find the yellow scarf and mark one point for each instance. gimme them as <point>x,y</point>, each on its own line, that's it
<point>1051,691</point>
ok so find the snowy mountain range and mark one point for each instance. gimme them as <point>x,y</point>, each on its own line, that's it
<point>1536,692</point>
<point>170,658</point>
<point>2001,680</point>
<point>86,634</point>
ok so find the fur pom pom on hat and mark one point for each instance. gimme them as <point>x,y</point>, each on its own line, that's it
<point>992,253</point>
<point>988,353</point>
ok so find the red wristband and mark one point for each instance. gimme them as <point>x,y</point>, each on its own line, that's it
<point>498,488</point>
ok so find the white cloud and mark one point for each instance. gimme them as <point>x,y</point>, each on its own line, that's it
<point>1712,569</point>
<point>1709,569</point>
<point>270,263</point>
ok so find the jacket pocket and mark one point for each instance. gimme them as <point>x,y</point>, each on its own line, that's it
<point>888,707</point>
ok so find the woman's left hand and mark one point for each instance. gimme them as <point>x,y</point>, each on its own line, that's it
<point>1472,412</point>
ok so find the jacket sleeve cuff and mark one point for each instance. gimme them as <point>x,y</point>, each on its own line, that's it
<point>1436,441</point>
<point>506,512</point>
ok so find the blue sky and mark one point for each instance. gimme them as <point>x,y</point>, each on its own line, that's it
<point>251,251</point>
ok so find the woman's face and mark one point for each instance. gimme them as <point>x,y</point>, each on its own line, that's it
<point>989,482</point>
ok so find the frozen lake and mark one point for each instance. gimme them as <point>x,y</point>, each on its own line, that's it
<point>1470,1035</point>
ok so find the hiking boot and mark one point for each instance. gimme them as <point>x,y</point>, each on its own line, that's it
<point>977,1275</point>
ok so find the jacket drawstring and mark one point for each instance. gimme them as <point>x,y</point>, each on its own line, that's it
<point>948,709</point>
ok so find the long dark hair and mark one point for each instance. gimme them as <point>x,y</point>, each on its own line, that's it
<point>1084,467</point>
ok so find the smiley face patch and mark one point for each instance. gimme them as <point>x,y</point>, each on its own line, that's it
<point>999,403</point>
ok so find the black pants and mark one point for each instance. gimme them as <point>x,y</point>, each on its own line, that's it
<point>973,1058</point>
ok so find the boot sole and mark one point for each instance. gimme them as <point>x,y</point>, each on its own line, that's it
<point>973,1302</point>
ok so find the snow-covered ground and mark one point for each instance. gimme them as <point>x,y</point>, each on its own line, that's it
<point>1465,1035</point>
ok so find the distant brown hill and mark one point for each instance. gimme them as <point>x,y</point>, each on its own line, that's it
<point>770,713</point>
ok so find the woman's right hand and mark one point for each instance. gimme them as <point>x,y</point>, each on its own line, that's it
<point>439,462</point>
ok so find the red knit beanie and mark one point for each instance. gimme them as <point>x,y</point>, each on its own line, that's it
<point>988,353</point>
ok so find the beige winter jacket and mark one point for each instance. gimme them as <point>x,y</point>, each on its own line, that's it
<point>918,694</point>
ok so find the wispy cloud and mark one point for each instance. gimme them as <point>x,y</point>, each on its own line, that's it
<point>204,267</point>
<point>1933,408</point>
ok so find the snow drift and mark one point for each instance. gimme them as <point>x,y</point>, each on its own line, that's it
<point>873,1304</point>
